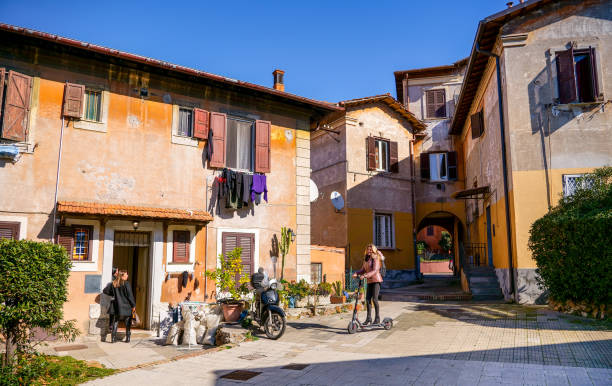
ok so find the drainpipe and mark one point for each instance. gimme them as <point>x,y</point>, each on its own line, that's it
<point>57,175</point>
<point>417,262</point>
<point>502,128</point>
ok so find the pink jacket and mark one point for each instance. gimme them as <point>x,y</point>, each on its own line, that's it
<point>371,268</point>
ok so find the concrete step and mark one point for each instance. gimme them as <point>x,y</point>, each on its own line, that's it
<point>499,296</point>
<point>483,280</point>
<point>389,284</point>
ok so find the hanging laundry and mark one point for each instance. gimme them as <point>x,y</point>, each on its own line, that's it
<point>247,182</point>
<point>208,149</point>
<point>258,187</point>
<point>230,197</point>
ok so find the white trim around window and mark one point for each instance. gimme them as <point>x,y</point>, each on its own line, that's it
<point>99,126</point>
<point>240,230</point>
<point>176,138</point>
<point>91,265</point>
<point>23,224</point>
<point>387,237</point>
<point>180,267</point>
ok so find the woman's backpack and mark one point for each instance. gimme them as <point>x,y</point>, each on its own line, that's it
<point>383,268</point>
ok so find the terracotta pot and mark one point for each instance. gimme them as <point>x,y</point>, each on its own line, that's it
<point>337,299</point>
<point>231,311</point>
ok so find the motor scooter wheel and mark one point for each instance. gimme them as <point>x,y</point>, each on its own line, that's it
<point>387,323</point>
<point>274,327</point>
<point>352,327</point>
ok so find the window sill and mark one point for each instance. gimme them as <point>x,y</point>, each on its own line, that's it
<point>84,266</point>
<point>83,124</point>
<point>436,118</point>
<point>186,141</point>
<point>179,267</point>
<point>570,106</point>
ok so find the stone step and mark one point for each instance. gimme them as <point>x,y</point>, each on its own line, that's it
<point>477,291</point>
<point>487,297</point>
<point>389,284</point>
<point>477,280</point>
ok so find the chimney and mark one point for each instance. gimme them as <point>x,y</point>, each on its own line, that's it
<point>509,4</point>
<point>279,80</point>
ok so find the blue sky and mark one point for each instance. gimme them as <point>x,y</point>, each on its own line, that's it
<point>330,50</point>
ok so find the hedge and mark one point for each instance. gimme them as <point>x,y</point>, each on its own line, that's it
<point>572,244</point>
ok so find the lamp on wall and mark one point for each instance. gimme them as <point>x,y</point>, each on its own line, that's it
<point>135,224</point>
<point>292,233</point>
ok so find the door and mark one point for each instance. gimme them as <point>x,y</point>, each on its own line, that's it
<point>489,237</point>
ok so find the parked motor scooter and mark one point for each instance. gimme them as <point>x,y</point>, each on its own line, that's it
<point>265,309</point>
<point>355,324</point>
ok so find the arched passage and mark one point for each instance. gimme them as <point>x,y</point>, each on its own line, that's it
<point>430,230</point>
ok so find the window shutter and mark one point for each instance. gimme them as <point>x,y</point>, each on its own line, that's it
<point>201,123</point>
<point>430,104</point>
<point>425,165</point>
<point>65,238</point>
<point>2,76</point>
<point>262,146</point>
<point>371,153</point>
<point>593,74</point>
<point>73,100</point>
<point>476,121</point>
<point>440,102</point>
<point>565,76</point>
<point>246,241</point>
<point>452,165</point>
<point>16,107</point>
<point>9,230</point>
<point>180,246</point>
<point>393,159</point>
<point>218,122</point>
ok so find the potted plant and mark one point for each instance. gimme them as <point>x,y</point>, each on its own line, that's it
<point>299,291</point>
<point>323,293</point>
<point>230,268</point>
<point>338,297</point>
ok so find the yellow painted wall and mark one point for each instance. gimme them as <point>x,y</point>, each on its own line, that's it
<point>360,234</point>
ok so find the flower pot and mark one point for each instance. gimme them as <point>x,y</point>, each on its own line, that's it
<point>337,299</point>
<point>231,311</point>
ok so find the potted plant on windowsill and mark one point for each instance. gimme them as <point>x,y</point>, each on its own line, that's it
<point>337,297</point>
<point>230,267</point>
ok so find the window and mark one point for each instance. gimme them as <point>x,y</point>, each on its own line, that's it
<point>383,231</point>
<point>477,124</point>
<point>577,76</point>
<point>430,230</point>
<point>77,240</point>
<point>246,241</point>
<point>9,230</point>
<point>181,241</point>
<point>382,155</point>
<point>439,166</point>
<point>185,122</point>
<point>93,105</point>
<point>316,272</point>
<point>573,181</point>
<point>239,144</point>
<point>15,90</point>
<point>435,103</point>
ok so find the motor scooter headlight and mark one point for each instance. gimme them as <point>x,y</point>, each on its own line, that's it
<point>273,286</point>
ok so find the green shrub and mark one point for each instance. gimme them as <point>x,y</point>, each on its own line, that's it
<point>324,289</point>
<point>33,290</point>
<point>446,241</point>
<point>225,275</point>
<point>571,243</point>
<point>338,288</point>
<point>299,290</point>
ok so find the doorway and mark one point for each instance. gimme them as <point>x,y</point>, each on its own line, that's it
<point>131,253</point>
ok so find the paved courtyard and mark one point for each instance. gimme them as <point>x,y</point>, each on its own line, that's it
<point>444,344</point>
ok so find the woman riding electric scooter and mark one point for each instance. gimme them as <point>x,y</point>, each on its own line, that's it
<point>371,270</point>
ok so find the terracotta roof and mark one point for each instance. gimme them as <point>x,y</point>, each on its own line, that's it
<point>116,210</point>
<point>417,125</point>
<point>85,47</point>
<point>486,35</point>
<point>425,72</point>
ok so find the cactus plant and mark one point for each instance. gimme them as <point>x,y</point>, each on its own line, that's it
<point>283,246</point>
<point>337,286</point>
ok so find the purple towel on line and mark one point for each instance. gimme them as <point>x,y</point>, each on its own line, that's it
<point>259,186</point>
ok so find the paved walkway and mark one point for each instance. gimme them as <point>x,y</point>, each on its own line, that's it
<point>444,344</point>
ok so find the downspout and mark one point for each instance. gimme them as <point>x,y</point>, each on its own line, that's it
<point>417,262</point>
<point>502,128</point>
<point>57,176</point>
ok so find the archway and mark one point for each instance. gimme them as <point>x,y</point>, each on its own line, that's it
<point>436,254</point>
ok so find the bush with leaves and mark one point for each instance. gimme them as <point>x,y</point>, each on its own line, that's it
<point>225,275</point>
<point>571,243</point>
<point>324,289</point>
<point>33,291</point>
<point>299,290</point>
<point>446,241</point>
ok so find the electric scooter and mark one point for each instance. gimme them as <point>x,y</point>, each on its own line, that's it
<point>355,324</point>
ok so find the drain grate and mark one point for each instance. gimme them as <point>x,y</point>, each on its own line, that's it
<point>71,347</point>
<point>252,357</point>
<point>241,375</point>
<point>295,366</point>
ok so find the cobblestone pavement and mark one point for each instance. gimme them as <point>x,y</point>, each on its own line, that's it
<point>442,344</point>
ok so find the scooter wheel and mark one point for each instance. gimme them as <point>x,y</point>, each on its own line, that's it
<point>388,323</point>
<point>352,327</point>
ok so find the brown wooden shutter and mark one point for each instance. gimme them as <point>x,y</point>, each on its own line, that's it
<point>201,123</point>
<point>476,121</point>
<point>393,158</point>
<point>262,146</point>
<point>440,101</point>
<point>565,76</point>
<point>65,238</point>
<point>2,76</point>
<point>452,165</point>
<point>430,104</point>
<point>593,74</point>
<point>371,153</point>
<point>246,241</point>
<point>9,230</point>
<point>73,100</point>
<point>425,165</point>
<point>218,122</point>
<point>16,107</point>
<point>180,246</point>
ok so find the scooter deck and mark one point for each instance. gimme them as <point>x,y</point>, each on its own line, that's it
<point>372,326</point>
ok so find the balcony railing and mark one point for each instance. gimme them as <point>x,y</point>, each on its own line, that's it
<point>475,255</point>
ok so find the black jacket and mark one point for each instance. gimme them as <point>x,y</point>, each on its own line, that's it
<point>124,299</point>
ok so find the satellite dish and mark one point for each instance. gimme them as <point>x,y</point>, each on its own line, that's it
<point>314,191</point>
<point>337,200</point>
